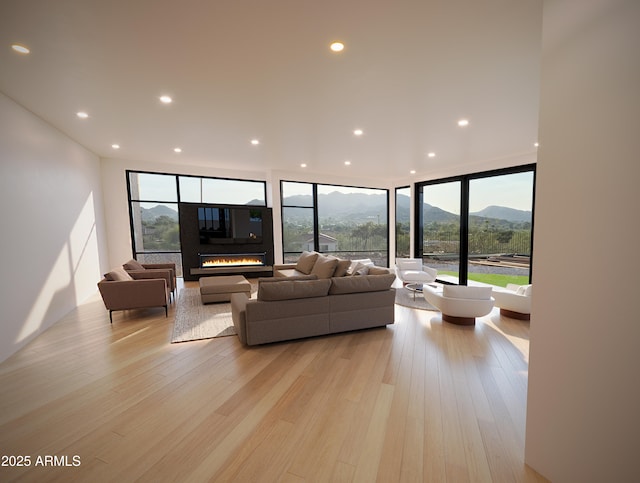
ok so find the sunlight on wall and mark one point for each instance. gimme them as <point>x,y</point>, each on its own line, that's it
<point>73,274</point>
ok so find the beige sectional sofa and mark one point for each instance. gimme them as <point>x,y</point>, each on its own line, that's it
<point>301,302</point>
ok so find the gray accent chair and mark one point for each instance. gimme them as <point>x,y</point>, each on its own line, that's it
<point>167,271</point>
<point>120,291</point>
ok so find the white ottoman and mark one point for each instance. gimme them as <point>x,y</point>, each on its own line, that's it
<point>219,289</point>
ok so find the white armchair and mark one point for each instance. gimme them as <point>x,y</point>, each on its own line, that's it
<point>412,270</point>
<point>514,301</point>
<point>460,304</point>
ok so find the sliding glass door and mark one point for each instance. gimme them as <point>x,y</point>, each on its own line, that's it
<point>500,220</point>
<point>479,227</point>
<point>440,220</point>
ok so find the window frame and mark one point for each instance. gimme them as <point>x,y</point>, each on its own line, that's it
<point>316,221</point>
<point>176,176</point>
<point>464,180</point>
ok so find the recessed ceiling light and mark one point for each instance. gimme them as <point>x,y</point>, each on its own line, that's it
<point>20,49</point>
<point>337,46</point>
<point>82,115</point>
<point>115,146</point>
<point>166,99</point>
<point>347,163</point>
<point>303,165</point>
<point>463,122</point>
<point>431,154</point>
<point>358,132</point>
<point>255,142</point>
<point>536,144</point>
<point>413,171</point>
<point>177,150</point>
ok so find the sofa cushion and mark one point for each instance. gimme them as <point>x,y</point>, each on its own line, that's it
<point>133,265</point>
<point>324,266</point>
<point>342,267</point>
<point>293,289</point>
<point>465,292</point>
<point>306,262</point>
<point>117,274</point>
<point>291,277</point>
<point>287,273</point>
<point>368,283</point>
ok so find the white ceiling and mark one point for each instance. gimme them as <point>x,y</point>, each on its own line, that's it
<point>244,69</point>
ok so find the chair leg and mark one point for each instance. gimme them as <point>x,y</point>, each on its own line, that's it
<point>111,316</point>
<point>166,311</point>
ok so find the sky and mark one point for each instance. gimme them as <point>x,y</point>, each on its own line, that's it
<point>158,187</point>
<point>513,191</point>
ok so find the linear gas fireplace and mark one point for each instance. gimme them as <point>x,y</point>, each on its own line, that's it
<point>221,263</point>
<point>215,260</point>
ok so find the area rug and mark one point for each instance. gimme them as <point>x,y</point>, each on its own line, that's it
<point>195,321</point>
<point>406,298</point>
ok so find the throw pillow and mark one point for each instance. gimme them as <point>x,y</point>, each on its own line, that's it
<point>342,268</point>
<point>306,262</point>
<point>359,269</point>
<point>133,265</point>
<point>357,264</point>
<point>378,271</point>
<point>324,267</point>
<point>117,274</point>
<point>524,290</point>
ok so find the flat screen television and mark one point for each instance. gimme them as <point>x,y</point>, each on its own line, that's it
<point>219,225</point>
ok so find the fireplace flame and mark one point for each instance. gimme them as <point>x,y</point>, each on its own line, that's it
<point>231,262</point>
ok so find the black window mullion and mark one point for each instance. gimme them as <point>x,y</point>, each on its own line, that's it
<point>316,223</point>
<point>418,234</point>
<point>463,265</point>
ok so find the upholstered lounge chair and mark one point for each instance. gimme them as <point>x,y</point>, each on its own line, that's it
<point>514,301</point>
<point>167,271</point>
<point>412,270</point>
<point>460,304</point>
<point>122,292</point>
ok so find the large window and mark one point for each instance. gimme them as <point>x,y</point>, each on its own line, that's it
<point>500,217</point>
<point>222,191</point>
<point>348,222</point>
<point>153,208</point>
<point>478,227</point>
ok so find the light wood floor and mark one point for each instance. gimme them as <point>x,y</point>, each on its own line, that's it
<point>421,400</point>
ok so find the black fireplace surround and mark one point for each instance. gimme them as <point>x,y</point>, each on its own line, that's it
<point>246,257</point>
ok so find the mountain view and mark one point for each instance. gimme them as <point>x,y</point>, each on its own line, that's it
<point>151,214</point>
<point>359,208</point>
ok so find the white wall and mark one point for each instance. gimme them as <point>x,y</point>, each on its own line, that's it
<point>583,415</point>
<point>52,225</point>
